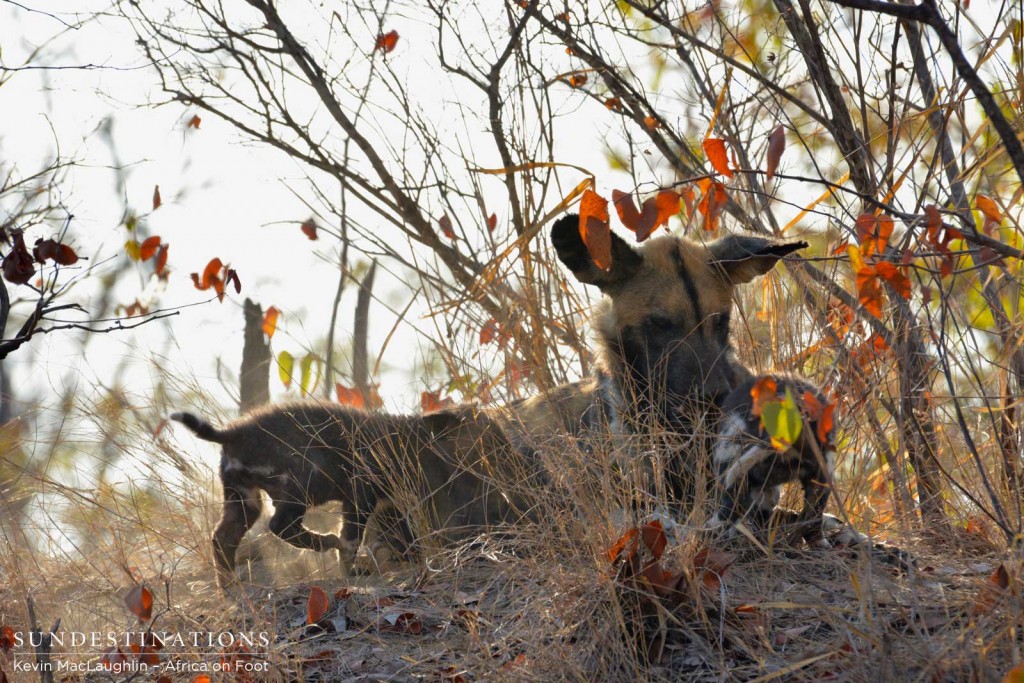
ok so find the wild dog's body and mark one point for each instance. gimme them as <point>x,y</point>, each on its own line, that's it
<point>435,471</point>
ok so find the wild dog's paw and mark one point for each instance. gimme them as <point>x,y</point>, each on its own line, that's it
<point>843,535</point>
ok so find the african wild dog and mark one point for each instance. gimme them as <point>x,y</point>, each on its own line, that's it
<point>398,478</point>
<point>666,365</point>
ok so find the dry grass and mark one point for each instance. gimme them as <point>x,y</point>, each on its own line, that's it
<point>542,604</point>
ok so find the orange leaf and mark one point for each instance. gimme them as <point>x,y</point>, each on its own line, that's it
<point>156,198</point>
<point>989,208</point>
<point>386,41</point>
<point>446,226</point>
<point>873,232</point>
<point>353,398</point>
<point>594,228</point>
<point>776,146</point>
<point>148,248</point>
<point>656,212</point>
<point>309,228</point>
<point>492,222</point>
<point>765,390</point>
<point>627,543</point>
<point>430,401</point>
<point>317,605</point>
<point>715,150</point>
<point>713,198</point>
<point>626,208</point>
<point>826,422</point>
<point>869,291</point>
<point>651,123</point>
<point>194,122</point>
<point>992,591</point>
<point>211,271</point>
<point>140,602</point>
<point>895,277</point>
<point>811,405</point>
<point>613,103</point>
<point>577,80</point>
<point>270,321</point>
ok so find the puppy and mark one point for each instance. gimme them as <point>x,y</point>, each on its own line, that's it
<point>431,474</point>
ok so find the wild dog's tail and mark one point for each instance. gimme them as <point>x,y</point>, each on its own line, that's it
<point>201,428</point>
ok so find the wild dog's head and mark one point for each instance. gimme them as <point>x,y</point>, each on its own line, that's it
<point>664,329</point>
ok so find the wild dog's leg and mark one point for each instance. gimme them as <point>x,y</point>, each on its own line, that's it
<point>816,493</point>
<point>287,525</point>
<point>242,507</point>
<point>387,537</point>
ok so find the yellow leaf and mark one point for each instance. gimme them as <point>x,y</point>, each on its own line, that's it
<point>133,250</point>
<point>285,363</point>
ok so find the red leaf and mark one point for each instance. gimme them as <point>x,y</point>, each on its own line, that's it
<point>489,331</point>
<point>6,638</point>
<point>194,122</point>
<point>492,222</point>
<point>594,228</point>
<point>232,277</point>
<point>270,321</point>
<point>653,536</point>
<point>61,254</point>
<point>18,266</point>
<point>140,602</point>
<point>309,228</point>
<point>776,146</point>
<point>353,398</point>
<point>317,605</point>
<point>446,226</point>
<point>148,248</point>
<point>161,259</point>
<point>386,41</point>
<point>406,622</point>
<point>156,198</point>
<point>715,150</point>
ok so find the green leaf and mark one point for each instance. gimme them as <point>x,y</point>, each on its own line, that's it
<point>285,363</point>
<point>782,421</point>
<point>306,373</point>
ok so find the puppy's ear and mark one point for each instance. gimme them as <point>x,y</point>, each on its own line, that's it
<point>744,257</point>
<point>568,243</point>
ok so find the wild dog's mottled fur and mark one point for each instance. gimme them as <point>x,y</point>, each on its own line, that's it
<point>667,364</point>
<point>306,454</point>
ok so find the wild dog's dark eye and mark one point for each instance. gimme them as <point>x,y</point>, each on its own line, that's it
<point>660,322</point>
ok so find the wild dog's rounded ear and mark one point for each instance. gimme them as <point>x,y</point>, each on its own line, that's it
<point>744,257</point>
<point>568,243</point>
